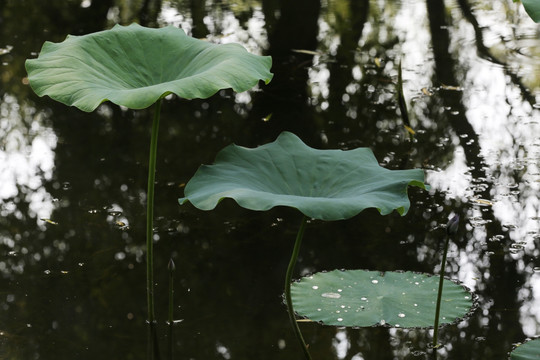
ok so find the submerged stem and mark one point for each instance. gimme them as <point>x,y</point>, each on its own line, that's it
<point>170,323</point>
<point>171,267</point>
<point>439,296</point>
<point>150,215</point>
<point>288,280</point>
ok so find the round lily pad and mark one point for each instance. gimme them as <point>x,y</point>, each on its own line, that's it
<point>360,298</point>
<point>529,350</point>
<point>134,66</point>
<point>322,184</point>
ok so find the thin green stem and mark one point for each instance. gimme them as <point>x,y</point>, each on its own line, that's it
<point>171,267</point>
<point>150,215</point>
<point>170,324</point>
<point>439,296</point>
<point>288,280</point>
<point>153,346</point>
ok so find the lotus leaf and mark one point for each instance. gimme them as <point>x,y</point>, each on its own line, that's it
<point>533,9</point>
<point>134,66</point>
<point>322,184</point>
<point>366,298</point>
<point>529,350</point>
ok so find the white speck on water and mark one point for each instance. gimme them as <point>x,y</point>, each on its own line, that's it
<point>339,319</point>
<point>363,298</point>
<point>339,290</point>
<point>401,315</point>
<point>374,281</point>
<point>314,287</point>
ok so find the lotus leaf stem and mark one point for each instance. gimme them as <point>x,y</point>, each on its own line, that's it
<point>171,267</point>
<point>150,214</point>
<point>170,322</point>
<point>288,280</point>
<point>451,229</point>
<point>439,296</point>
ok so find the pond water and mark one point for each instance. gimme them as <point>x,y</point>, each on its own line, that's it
<point>72,184</point>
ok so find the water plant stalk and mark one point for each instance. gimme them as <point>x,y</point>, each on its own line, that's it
<point>152,341</point>
<point>451,229</point>
<point>150,214</point>
<point>170,322</point>
<point>288,280</point>
<point>403,104</point>
<point>439,295</point>
<point>171,268</point>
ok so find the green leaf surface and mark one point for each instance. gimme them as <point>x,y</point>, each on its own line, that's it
<point>533,9</point>
<point>527,351</point>
<point>322,184</point>
<point>360,298</point>
<point>134,66</point>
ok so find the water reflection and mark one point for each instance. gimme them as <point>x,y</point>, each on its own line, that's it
<point>26,158</point>
<point>74,286</point>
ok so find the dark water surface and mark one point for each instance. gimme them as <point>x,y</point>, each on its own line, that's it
<point>72,184</point>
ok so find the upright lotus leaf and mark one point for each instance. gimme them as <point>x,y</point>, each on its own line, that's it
<point>529,350</point>
<point>134,66</point>
<point>362,298</point>
<point>322,184</point>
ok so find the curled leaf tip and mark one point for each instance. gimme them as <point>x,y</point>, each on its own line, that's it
<point>452,225</point>
<point>171,265</point>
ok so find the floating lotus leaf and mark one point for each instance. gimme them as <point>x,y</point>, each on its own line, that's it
<point>527,351</point>
<point>360,298</point>
<point>322,184</point>
<point>134,66</point>
<point>533,9</point>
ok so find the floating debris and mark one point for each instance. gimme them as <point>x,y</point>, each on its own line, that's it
<point>452,88</point>
<point>6,50</point>
<point>307,52</point>
<point>483,202</point>
<point>426,91</point>
<point>267,117</point>
<point>49,221</point>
